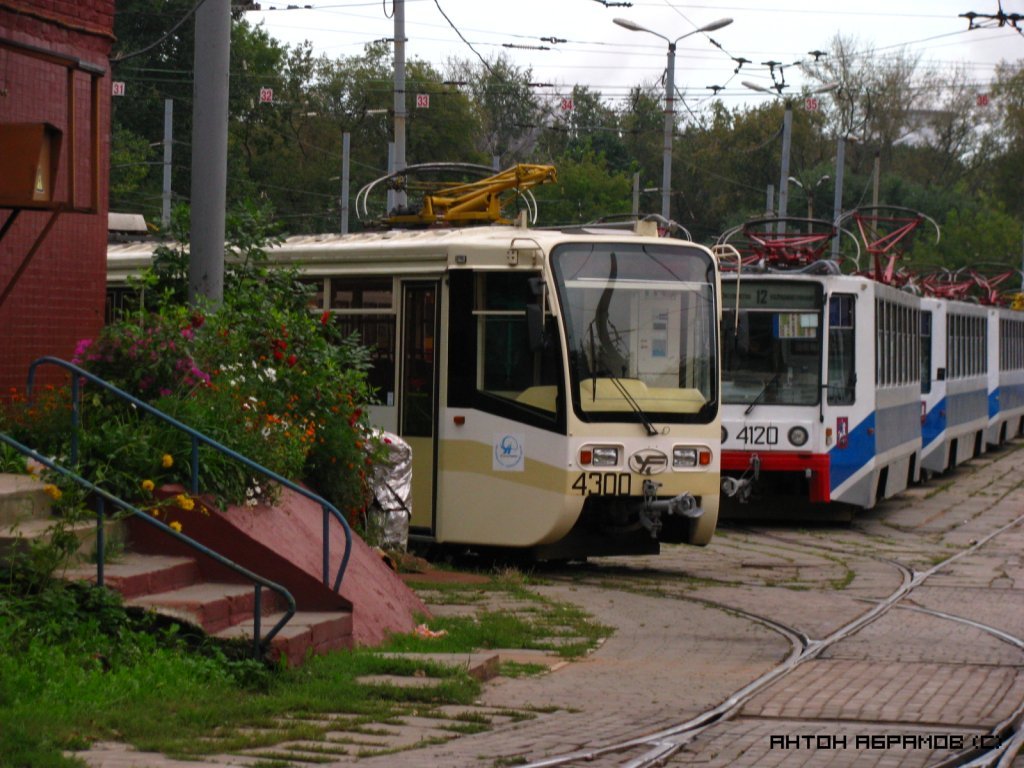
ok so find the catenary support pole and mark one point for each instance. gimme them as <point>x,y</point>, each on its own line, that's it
<point>209,151</point>
<point>787,137</point>
<point>837,202</point>
<point>165,208</point>
<point>399,8</point>
<point>346,145</point>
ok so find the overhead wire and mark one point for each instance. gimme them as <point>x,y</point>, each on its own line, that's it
<point>124,57</point>
<point>463,38</point>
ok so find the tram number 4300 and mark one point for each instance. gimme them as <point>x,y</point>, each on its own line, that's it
<point>604,483</point>
<point>754,435</point>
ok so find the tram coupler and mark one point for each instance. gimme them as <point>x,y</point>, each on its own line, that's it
<point>741,487</point>
<point>650,514</point>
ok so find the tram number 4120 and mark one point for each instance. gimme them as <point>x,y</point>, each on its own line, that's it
<point>755,435</point>
<point>604,483</point>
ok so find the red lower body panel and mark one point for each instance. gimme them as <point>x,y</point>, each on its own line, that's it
<point>786,461</point>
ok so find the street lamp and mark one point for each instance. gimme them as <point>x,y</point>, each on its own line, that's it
<point>809,191</point>
<point>787,131</point>
<point>666,165</point>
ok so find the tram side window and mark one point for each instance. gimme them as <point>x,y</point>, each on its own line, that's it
<point>981,342</point>
<point>365,306</point>
<point>841,372</point>
<point>952,348</point>
<point>1011,345</point>
<point>926,352</point>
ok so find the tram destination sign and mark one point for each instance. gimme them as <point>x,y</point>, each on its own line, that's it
<point>756,294</point>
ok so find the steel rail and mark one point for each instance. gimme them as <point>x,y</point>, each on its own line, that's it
<point>666,742</point>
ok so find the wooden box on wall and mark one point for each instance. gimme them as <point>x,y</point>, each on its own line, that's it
<point>29,153</point>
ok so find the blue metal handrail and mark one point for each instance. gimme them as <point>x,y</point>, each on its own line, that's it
<point>103,496</point>
<point>197,438</point>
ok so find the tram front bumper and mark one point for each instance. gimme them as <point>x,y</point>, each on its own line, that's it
<point>747,469</point>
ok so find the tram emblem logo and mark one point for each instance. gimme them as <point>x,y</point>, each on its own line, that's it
<point>648,461</point>
<point>842,431</point>
<point>508,453</point>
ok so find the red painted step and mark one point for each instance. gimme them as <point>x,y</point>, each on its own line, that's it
<point>175,587</point>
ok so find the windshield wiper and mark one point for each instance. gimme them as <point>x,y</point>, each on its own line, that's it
<point>761,394</point>
<point>651,429</point>
<point>607,373</point>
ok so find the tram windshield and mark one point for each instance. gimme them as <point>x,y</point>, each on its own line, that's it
<point>771,346</point>
<point>640,327</point>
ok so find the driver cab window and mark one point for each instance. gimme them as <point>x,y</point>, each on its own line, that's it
<point>509,339</point>
<point>504,346</point>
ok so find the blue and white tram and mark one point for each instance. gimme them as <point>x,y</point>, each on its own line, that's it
<point>821,387</point>
<point>1005,375</point>
<point>954,382</point>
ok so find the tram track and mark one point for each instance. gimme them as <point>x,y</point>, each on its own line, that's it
<point>1007,737</point>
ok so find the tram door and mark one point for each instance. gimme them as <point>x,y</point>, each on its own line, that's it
<point>418,393</point>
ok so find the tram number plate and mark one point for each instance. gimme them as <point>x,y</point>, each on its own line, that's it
<point>603,483</point>
<point>754,435</point>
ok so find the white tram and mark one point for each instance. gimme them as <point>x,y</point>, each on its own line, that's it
<point>821,387</point>
<point>1005,374</point>
<point>954,382</point>
<point>559,389</point>
<point>845,388</point>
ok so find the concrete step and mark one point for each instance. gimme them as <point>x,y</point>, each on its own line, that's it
<point>134,575</point>
<point>316,632</point>
<point>211,606</point>
<point>21,498</point>
<point>19,537</point>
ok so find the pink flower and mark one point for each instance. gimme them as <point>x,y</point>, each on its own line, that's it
<point>78,355</point>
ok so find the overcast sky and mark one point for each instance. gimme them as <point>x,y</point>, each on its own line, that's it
<point>610,59</point>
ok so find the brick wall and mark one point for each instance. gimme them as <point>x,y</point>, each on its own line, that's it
<point>59,297</point>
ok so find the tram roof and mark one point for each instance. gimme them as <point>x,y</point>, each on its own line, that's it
<point>417,249</point>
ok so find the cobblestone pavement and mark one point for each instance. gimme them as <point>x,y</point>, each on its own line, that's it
<point>906,690</point>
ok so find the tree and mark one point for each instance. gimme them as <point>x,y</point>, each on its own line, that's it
<point>157,66</point>
<point>444,131</point>
<point>508,114</point>
<point>1001,157</point>
<point>642,120</point>
<point>589,127</point>
<point>587,190</point>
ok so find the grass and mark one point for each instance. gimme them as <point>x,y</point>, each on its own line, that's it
<point>78,668</point>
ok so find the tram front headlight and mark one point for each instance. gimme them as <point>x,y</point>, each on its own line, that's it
<point>798,436</point>
<point>600,456</point>
<point>725,434</point>
<point>685,456</point>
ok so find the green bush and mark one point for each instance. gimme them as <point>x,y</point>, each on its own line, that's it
<point>260,373</point>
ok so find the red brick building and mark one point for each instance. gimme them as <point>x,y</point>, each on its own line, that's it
<point>54,77</point>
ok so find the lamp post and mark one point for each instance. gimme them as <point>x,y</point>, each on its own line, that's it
<point>809,192</point>
<point>666,165</point>
<point>787,131</point>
